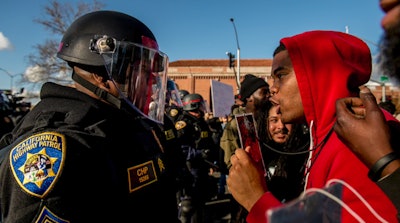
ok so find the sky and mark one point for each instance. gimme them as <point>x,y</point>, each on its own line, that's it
<point>202,29</point>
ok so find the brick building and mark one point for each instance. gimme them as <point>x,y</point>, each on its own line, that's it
<point>195,76</point>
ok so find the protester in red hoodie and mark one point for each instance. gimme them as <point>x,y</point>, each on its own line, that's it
<point>311,71</point>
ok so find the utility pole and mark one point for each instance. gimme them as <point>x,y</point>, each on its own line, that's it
<point>238,55</point>
<point>383,85</point>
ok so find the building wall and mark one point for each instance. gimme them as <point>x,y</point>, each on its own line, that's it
<point>195,76</point>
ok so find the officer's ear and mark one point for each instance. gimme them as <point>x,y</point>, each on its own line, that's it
<point>101,81</point>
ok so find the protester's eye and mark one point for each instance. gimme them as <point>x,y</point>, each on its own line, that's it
<point>277,76</point>
<point>273,120</point>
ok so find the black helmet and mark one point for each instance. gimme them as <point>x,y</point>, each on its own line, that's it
<point>74,46</point>
<point>193,102</point>
<point>183,93</point>
<point>123,49</point>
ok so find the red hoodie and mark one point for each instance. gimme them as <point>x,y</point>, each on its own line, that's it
<point>330,65</point>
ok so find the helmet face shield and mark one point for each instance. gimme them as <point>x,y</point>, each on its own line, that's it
<point>172,96</point>
<point>139,72</point>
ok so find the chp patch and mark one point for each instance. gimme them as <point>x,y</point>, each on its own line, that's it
<point>37,161</point>
<point>169,134</point>
<point>142,175</point>
<point>180,125</point>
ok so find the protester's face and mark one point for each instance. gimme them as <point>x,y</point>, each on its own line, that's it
<point>278,131</point>
<point>285,91</point>
<point>390,52</point>
<point>392,16</point>
<point>390,43</point>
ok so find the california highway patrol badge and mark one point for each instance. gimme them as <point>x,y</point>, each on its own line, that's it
<point>37,161</point>
<point>180,125</point>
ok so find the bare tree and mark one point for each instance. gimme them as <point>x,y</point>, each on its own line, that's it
<point>56,19</point>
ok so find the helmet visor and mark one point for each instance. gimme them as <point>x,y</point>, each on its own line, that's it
<point>172,96</point>
<point>139,72</point>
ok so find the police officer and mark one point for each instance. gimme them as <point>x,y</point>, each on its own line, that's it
<point>173,102</point>
<point>97,152</point>
<point>183,93</point>
<point>201,154</point>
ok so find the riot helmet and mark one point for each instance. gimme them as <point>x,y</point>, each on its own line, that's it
<point>183,93</point>
<point>193,102</point>
<point>125,51</point>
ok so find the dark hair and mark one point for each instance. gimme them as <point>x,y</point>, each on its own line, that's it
<point>279,49</point>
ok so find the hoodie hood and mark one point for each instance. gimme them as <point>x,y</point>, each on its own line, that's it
<point>329,65</point>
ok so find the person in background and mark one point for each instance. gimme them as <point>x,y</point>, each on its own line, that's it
<point>6,121</point>
<point>254,93</point>
<point>183,93</point>
<point>362,125</point>
<point>93,153</point>
<point>201,154</point>
<point>310,71</point>
<point>253,98</point>
<point>173,102</point>
<point>285,152</point>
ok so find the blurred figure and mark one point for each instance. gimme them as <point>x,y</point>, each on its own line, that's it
<point>173,102</point>
<point>364,127</point>
<point>201,154</point>
<point>6,121</point>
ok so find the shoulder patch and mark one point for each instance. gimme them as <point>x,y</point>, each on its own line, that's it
<point>37,161</point>
<point>173,112</point>
<point>169,134</point>
<point>46,216</point>
<point>180,125</point>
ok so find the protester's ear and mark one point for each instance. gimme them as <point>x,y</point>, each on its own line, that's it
<point>249,99</point>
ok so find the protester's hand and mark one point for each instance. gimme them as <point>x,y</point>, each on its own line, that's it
<point>246,180</point>
<point>361,125</point>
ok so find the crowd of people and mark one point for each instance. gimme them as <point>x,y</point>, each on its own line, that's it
<point>126,143</point>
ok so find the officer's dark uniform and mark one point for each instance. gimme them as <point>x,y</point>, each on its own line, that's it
<point>77,159</point>
<point>173,112</point>
<point>201,154</point>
